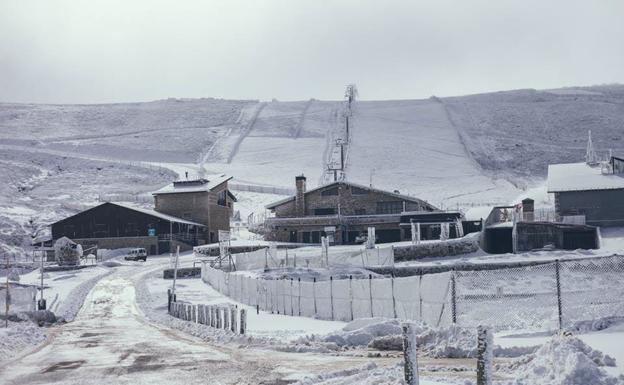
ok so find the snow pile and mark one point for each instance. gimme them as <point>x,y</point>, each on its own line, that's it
<point>19,336</point>
<point>363,331</point>
<point>566,360</point>
<point>366,375</point>
<point>386,334</point>
<point>597,324</point>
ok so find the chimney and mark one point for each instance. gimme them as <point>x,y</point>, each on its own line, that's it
<point>300,183</point>
<point>528,210</point>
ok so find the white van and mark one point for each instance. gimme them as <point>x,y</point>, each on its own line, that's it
<point>138,254</point>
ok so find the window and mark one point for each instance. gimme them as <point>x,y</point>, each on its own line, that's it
<point>221,198</point>
<point>360,211</point>
<point>330,192</point>
<point>325,211</point>
<point>358,191</point>
<point>389,207</point>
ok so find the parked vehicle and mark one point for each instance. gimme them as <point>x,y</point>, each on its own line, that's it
<point>138,254</point>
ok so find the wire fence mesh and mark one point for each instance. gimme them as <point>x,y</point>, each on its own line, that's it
<point>546,296</point>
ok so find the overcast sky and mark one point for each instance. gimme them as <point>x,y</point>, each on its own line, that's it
<point>136,50</point>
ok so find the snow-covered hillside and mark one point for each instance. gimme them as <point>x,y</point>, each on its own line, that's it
<point>518,133</point>
<point>454,152</point>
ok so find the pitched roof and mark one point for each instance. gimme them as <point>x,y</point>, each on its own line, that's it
<point>157,214</point>
<point>199,185</point>
<point>153,213</point>
<point>581,177</point>
<point>399,196</point>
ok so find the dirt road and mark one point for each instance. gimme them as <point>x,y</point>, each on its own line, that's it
<point>110,342</point>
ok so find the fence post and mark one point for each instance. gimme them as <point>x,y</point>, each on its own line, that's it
<point>484,356</point>
<point>314,294</point>
<point>559,309</point>
<point>420,301</point>
<point>370,290</point>
<point>233,320</point>
<point>299,296</point>
<point>212,316</point>
<point>292,309</point>
<point>351,295</point>
<point>393,299</point>
<point>218,317</point>
<point>453,298</point>
<point>243,321</point>
<point>409,354</point>
<point>331,295</point>
<point>226,318</point>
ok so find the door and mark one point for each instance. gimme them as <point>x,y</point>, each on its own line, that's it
<point>293,236</point>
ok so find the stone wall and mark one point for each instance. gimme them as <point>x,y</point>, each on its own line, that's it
<point>447,248</point>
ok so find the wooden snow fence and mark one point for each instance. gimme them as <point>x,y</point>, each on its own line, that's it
<point>227,317</point>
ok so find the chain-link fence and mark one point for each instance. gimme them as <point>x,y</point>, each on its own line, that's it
<point>539,297</point>
<point>543,297</point>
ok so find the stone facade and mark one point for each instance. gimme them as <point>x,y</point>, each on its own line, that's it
<point>342,211</point>
<point>211,208</point>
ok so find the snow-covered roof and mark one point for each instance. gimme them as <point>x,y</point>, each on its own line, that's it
<point>157,214</point>
<point>399,196</point>
<point>200,185</point>
<point>581,177</point>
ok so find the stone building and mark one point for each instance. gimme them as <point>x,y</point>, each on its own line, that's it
<point>205,201</point>
<point>343,211</point>
<point>187,213</point>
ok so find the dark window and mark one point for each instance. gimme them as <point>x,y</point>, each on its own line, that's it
<point>358,191</point>
<point>306,237</point>
<point>389,207</point>
<point>360,211</point>
<point>316,237</point>
<point>325,211</point>
<point>330,192</point>
<point>222,198</point>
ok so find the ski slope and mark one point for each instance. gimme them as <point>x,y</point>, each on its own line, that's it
<point>411,146</point>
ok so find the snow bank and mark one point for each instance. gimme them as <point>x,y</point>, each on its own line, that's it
<point>386,334</point>
<point>365,375</point>
<point>19,336</point>
<point>566,360</point>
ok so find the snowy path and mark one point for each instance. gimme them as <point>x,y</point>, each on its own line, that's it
<point>110,342</point>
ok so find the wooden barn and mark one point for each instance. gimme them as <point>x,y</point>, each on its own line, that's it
<point>187,213</point>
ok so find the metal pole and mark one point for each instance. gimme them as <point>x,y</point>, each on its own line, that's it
<point>484,356</point>
<point>559,309</point>
<point>409,354</point>
<point>370,290</point>
<point>331,295</point>
<point>453,298</point>
<point>175,271</point>
<point>393,299</point>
